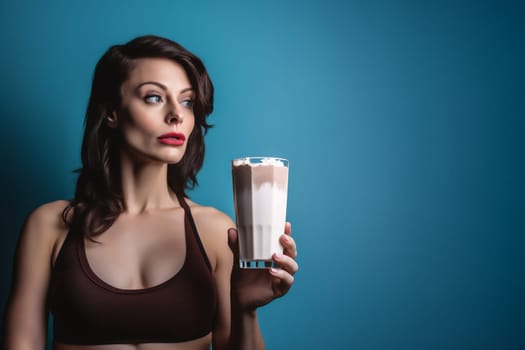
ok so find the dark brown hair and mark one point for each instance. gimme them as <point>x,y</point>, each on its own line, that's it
<point>98,198</point>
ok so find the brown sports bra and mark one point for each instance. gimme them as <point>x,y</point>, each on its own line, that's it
<point>88,311</point>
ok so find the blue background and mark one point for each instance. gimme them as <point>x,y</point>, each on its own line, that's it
<point>403,122</point>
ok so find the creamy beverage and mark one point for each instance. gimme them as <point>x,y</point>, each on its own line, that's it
<point>260,186</point>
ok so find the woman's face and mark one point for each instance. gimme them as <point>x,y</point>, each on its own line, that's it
<point>156,116</point>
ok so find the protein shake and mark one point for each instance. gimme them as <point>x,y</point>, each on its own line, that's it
<point>260,187</point>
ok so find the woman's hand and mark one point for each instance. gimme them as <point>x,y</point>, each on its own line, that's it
<point>252,288</point>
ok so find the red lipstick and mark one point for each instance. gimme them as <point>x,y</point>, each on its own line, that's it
<point>172,139</point>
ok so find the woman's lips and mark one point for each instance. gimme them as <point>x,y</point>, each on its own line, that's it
<point>172,139</point>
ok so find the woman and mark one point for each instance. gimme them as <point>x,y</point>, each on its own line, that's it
<point>130,262</point>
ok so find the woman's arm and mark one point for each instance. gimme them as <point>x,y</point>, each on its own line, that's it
<point>237,326</point>
<point>232,325</point>
<point>241,292</point>
<point>26,314</point>
<point>251,289</point>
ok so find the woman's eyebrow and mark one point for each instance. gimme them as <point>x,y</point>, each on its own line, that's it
<point>162,86</point>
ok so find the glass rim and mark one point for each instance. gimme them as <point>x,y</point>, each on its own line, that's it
<point>259,158</point>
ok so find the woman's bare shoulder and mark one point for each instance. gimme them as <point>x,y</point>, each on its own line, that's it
<point>212,225</point>
<point>210,217</point>
<point>47,220</point>
<point>42,231</point>
<point>49,212</point>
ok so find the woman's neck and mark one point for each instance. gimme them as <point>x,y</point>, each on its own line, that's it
<point>145,186</point>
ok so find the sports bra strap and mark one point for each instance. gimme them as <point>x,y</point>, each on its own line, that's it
<point>189,219</point>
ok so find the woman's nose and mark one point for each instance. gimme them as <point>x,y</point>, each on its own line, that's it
<point>173,116</point>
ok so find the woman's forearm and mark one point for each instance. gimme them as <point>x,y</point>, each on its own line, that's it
<point>245,331</point>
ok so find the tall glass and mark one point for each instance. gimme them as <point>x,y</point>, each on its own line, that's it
<point>260,188</point>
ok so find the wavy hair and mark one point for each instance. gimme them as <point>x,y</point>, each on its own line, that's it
<point>98,197</point>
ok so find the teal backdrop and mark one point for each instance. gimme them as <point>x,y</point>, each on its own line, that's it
<point>403,122</point>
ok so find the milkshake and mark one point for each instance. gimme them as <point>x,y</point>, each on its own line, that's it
<point>260,186</point>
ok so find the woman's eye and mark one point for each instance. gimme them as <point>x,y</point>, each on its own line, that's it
<point>153,99</point>
<point>188,103</point>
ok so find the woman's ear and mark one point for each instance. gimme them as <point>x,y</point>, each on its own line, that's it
<point>111,120</point>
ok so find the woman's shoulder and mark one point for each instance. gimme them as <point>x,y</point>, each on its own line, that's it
<point>207,215</point>
<point>46,219</point>
<point>48,212</point>
<point>212,225</point>
<point>42,230</point>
